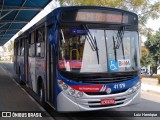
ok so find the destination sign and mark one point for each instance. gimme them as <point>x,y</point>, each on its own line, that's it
<point>101,17</point>
<point>98,16</point>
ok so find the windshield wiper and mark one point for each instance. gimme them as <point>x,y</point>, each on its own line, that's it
<point>119,41</point>
<point>92,41</point>
<point>114,48</point>
<point>96,49</point>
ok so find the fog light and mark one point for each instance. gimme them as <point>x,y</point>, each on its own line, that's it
<point>134,88</point>
<point>71,91</point>
<point>79,94</point>
<point>130,90</point>
<point>64,87</point>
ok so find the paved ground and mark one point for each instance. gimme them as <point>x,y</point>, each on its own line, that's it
<point>150,84</point>
<point>150,81</point>
<point>9,91</point>
<point>14,98</point>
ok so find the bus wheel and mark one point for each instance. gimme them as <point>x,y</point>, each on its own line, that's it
<point>42,95</point>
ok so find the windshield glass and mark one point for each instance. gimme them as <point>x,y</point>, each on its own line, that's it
<point>98,50</point>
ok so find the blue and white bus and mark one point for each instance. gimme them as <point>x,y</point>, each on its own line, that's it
<point>81,58</point>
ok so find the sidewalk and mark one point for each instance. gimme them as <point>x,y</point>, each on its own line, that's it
<point>150,84</point>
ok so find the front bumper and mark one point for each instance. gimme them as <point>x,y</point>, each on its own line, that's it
<point>67,103</point>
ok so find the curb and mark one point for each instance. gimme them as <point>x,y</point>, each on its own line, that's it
<point>150,88</point>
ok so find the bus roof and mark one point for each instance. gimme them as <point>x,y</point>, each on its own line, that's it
<point>95,7</point>
<point>56,12</point>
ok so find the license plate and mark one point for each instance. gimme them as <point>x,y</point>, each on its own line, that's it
<point>107,101</point>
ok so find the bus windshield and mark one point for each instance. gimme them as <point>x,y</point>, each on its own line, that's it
<point>98,50</point>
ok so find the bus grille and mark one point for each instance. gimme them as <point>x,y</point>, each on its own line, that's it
<point>96,106</point>
<point>107,79</point>
<point>104,93</point>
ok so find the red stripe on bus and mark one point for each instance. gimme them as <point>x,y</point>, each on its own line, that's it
<point>88,88</point>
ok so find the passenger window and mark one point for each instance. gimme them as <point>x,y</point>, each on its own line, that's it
<point>19,46</point>
<point>32,44</point>
<point>40,44</point>
<point>22,46</point>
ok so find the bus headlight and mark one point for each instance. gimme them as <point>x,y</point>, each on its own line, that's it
<point>64,87</point>
<point>68,90</point>
<point>79,94</point>
<point>71,91</point>
<point>134,88</point>
<point>130,90</point>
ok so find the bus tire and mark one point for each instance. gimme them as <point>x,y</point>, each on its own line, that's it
<point>41,94</point>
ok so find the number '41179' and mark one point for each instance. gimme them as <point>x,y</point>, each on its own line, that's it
<point>119,86</point>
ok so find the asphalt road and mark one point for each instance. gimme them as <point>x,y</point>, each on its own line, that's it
<point>15,98</point>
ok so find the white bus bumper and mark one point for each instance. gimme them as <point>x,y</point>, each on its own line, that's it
<point>67,103</point>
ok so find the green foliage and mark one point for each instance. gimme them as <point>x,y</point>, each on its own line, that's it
<point>10,46</point>
<point>70,2</point>
<point>146,57</point>
<point>4,48</point>
<point>153,44</point>
<point>144,8</point>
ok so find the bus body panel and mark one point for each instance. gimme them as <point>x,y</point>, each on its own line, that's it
<point>31,73</point>
<point>93,102</point>
<point>20,66</point>
<point>67,103</point>
<point>40,71</point>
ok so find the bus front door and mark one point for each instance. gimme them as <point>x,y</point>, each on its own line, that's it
<point>50,85</point>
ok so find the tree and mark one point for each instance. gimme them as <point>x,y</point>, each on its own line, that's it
<point>10,49</point>
<point>144,8</point>
<point>153,45</point>
<point>4,48</point>
<point>69,2</point>
<point>10,46</point>
<point>146,57</point>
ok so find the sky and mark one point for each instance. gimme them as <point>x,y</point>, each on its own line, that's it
<point>154,24</point>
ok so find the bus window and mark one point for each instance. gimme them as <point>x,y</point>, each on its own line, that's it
<point>72,46</point>
<point>40,42</point>
<point>71,50</point>
<point>32,45</point>
<point>18,44</point>
<point>22,46</point>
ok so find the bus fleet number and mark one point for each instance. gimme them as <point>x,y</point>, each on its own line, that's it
<point>119,86</point>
